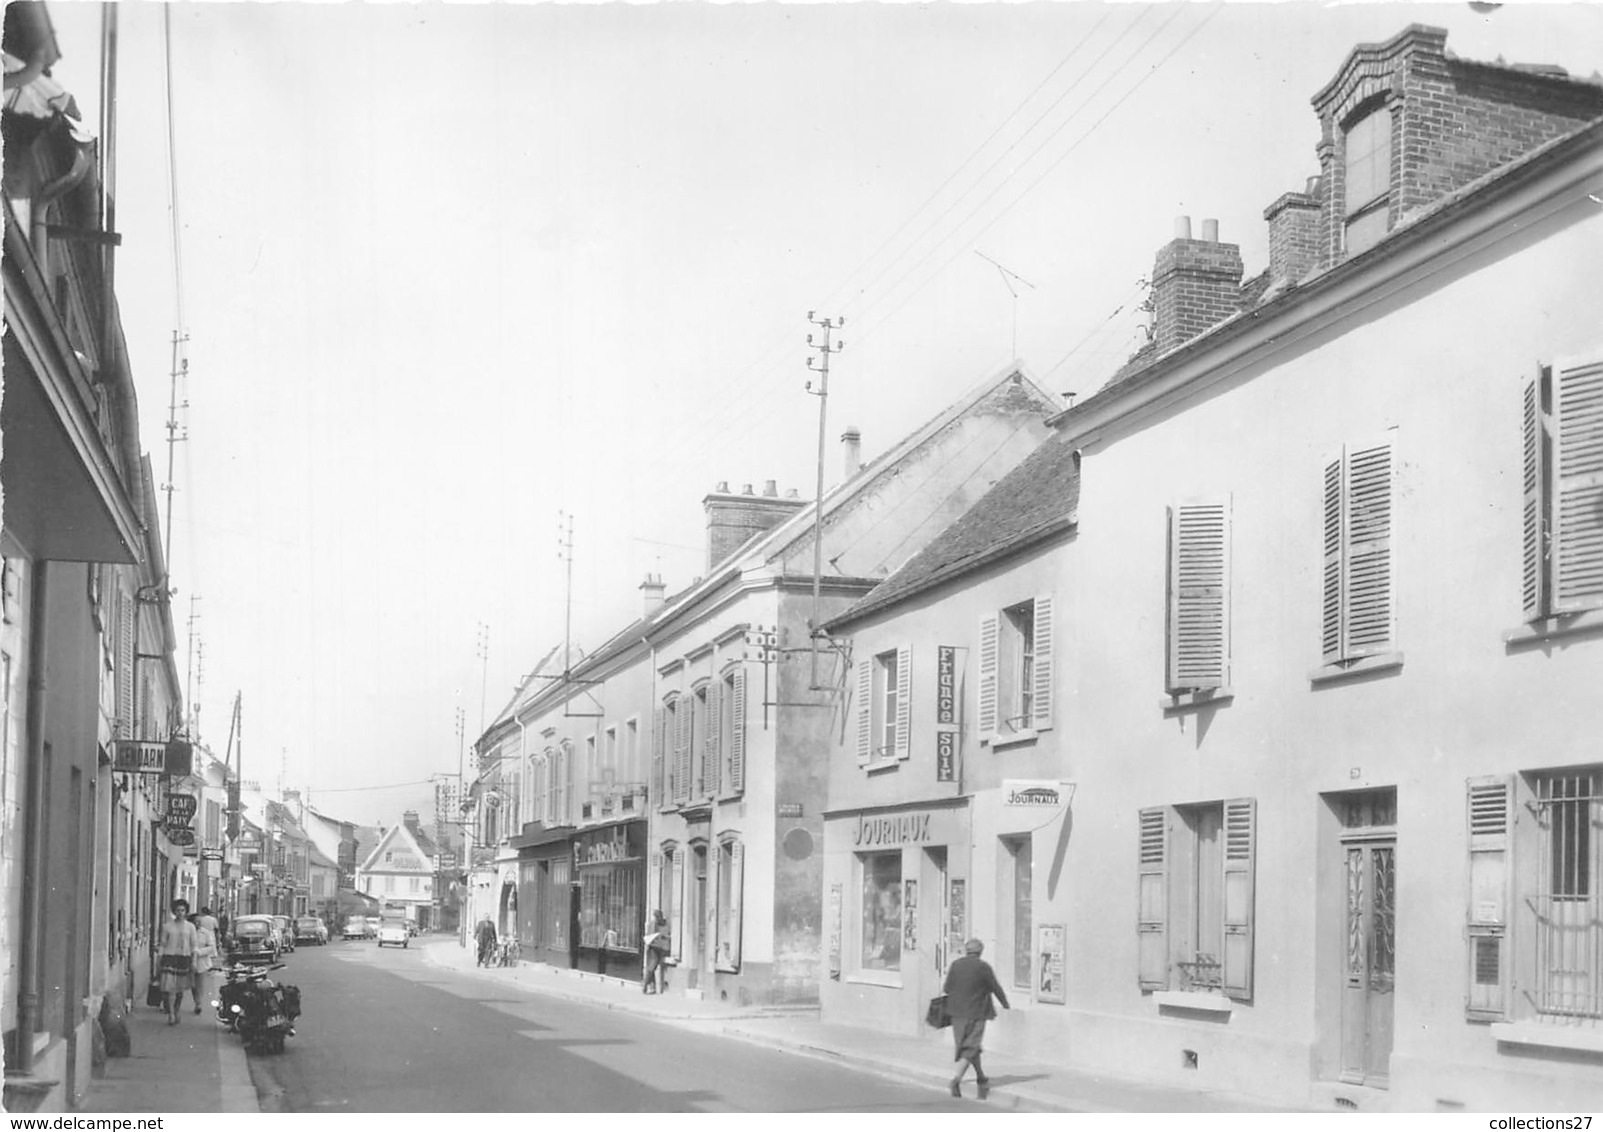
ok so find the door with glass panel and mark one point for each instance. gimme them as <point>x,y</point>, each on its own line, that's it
<point>1369,980</point>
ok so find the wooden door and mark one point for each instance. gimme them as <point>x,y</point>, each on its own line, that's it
<point>1369,975</point>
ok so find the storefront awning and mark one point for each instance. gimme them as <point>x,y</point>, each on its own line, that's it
<point>535,834</point>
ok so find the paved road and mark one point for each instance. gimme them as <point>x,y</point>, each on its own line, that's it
<point>384,1031</point>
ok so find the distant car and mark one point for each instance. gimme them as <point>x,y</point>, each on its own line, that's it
<point>255,939</point>
<point>286,933</point>
<point>355,927</point>
<point>392,929</point>
<point>311,930</point>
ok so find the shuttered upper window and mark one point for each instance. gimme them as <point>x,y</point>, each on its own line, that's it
<point>1357,609</point>
<point>1199,597</point>
<point>1016,670</point>
<point>884,719</point>
<point>1562,423</point>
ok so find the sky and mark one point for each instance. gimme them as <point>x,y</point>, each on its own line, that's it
<point>452,276</point>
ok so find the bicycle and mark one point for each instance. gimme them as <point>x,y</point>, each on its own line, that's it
<point>510,953</point>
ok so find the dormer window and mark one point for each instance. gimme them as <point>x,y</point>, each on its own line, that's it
<point>1368,179</point>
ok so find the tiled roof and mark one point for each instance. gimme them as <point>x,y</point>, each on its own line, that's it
<point>1035,499</point>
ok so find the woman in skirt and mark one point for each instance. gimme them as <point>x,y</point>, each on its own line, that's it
<point>176,960</point>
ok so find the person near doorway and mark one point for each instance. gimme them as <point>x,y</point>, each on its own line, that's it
<point>970,985</point>
<point>657,946</point>
<point>205,952</point>
<point>176,959</point>
<point>485,935</point>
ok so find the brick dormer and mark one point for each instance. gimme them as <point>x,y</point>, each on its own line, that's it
<point>1404,123</point>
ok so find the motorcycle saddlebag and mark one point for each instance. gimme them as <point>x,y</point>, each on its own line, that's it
<point>292,1001</point>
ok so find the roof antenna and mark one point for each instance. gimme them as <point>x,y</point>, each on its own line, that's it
<point>1007,279</point>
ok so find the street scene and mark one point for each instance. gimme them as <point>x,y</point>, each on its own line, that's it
<point>802,558</point>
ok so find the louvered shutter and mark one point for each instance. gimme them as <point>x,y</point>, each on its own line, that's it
<point>1199,596</point>
<point>127,646</point>
<point>737,876</point>
<point>1152,912</point>
<point>865,711</point>
<point>676,915</point>
<point>710,769</point>
<point>1330,632</point>
<point>1490,813</point>
<point>1240,835</point>
<point>1533,557</point>
<point>904,696</point>
<point>659,761</point>
<point>1367,574</point>
<point>1042,691</point>
<point>681,749</point>
<point>987,692</point>
<point>1577,485</point>
<point>737,739</point>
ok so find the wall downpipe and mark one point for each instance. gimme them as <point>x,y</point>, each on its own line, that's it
<point>33,851</point>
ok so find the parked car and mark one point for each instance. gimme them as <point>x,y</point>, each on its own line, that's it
<point>355,927</point>
<point>392,929</point>
<point>255,939</point>
<point>310,929</point>
<point>286,933</point>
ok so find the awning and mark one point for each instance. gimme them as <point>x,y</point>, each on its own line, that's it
<point>535,834</point>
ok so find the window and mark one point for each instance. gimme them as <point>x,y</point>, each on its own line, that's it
<point>882,911</point>
<point>631,750</point>
<point>1563,485</point>
<point>1195,893</point>
<point>1357,600</point>
<point>731,873</point>
<point>1199,597</point>
<point>1016,929</point>
<point>731,751</point>
<point>415,884</point>
<point>884,692</point>
<point>670,880</point>
<point>673,751</point>
<point>1367,180</point>
<point>1015,687</point>
<point>703,741</point>
<point>610,751</point>
<point>1535,916</point>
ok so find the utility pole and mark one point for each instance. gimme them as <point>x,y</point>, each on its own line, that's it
<point>483,653</point>
<point>565,552</point>
<point>189,671</point>
<point>180,368</point>
<point>825,349</point>
<point>466,867</point>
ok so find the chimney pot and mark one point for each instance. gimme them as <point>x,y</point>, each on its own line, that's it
<point>745,489</point>
<point>771,489</point>
<point>722,488</point>
<point>852,450</point>
<point>1210,231</point>
<point>1182,227</point>
<point>792,493</point>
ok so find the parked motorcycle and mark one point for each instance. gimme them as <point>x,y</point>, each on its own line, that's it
<point>260,1010</point>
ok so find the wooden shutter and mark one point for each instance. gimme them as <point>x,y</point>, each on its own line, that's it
<point>737,874</point>
<point>659,763</point>
<point>1330,632</point>
<point>128,634</point>
<point>989,634</point>
<point>1367,574</point>
<point>1577,484</point>
<point>1490,813</point>
<point>1152,912</point>
<point>1199,596</point>
<point>737,740</point>
<point>1533,557</point>
<point>676,914</point>
<point>865,711</point>
<point>710,768</point>
<point>1241,835</point>
<point>1042,691</point>
<point>681,748</point>
<point>904,695</point>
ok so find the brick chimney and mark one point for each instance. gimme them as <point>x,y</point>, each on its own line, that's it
<point>851,443</point>
<point>1196,284</point>
<point>409,819</point>
<point>653,589</point>
<point>1294,249</point>
<point>733,519</point>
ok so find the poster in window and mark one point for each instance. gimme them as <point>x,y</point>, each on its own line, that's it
<point>910,915</point>
<point>1051,988</point>
<point>882,912</point>
<point>957,915</point>
<point>835,903</point>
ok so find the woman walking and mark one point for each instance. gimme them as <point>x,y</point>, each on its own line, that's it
<point>205,952</point>
<point>970,984</point>
<point>176,960</point>
<point>657,946</point>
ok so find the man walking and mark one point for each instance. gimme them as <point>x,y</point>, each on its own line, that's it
<point>970,983</point>
<point>486,940</point>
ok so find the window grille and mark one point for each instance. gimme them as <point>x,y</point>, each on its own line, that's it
<point>1569,919</point>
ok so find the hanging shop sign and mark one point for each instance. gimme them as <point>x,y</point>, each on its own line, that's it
<point>181,836</point>
<point>211,854</point>
<point>945,684</point>
<point>152,756</point>
<point>180,809</point>
<point>1036,793</point>
<point>946,756</point>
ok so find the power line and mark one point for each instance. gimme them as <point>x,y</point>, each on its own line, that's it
<point>361,789</point>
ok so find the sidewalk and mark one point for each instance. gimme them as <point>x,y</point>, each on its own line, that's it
<point>1015,1083</point>
<point>195,1066</point>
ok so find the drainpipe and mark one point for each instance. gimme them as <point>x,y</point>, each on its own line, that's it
<point>33,849</point>
<point>39,235</point>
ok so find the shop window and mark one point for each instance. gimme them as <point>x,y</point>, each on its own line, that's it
<point>882,911</point>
